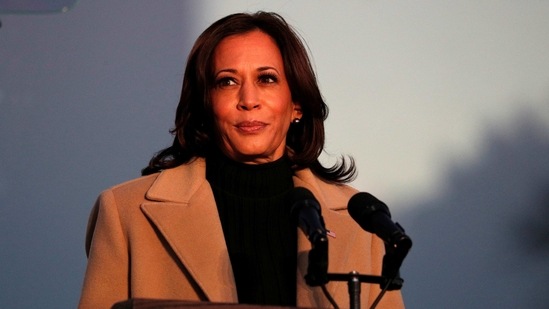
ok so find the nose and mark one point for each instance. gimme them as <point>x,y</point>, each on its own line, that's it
<point>248,99</point>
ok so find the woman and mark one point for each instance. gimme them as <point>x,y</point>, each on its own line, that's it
<point>209,220</point>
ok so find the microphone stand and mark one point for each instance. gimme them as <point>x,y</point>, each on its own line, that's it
<point>354,280</point>
<point>390,274</point>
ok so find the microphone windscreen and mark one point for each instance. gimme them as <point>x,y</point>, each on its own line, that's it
<point>363,204</point>
<point>362,207</point>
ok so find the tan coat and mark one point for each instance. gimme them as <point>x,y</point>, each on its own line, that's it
<point>160,236</point>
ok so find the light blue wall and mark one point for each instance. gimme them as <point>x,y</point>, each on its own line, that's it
<point>86,98</point>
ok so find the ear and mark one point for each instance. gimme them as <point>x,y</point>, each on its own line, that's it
<point>297,112</point>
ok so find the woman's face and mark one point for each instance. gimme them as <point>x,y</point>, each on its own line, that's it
<point>251,99</point>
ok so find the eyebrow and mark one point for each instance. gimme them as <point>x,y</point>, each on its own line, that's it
<point>265,68</point>
<point>260,69</point>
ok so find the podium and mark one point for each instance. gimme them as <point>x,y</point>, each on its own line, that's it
<point>146,303</point>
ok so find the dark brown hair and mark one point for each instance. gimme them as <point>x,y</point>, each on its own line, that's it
<point>194,136</point>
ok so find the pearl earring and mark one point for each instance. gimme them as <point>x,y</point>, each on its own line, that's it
<point>296,120</point>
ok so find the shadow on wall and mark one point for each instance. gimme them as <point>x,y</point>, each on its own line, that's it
<point>484,241</point>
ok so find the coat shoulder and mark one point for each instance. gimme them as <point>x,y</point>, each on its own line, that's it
<point>139,184</point>
<point>335,196</point>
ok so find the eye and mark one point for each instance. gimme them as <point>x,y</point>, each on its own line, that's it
<point>225,82</point>
<point>267,78</point>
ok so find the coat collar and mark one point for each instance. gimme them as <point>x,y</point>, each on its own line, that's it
<point>182,207</point>
<point>178,184</point>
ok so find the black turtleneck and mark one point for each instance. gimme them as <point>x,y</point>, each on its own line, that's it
<point>259,233</point>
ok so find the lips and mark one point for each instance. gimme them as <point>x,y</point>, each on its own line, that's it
<point>251,126</point>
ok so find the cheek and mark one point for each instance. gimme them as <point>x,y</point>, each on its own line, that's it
<point>220,111</point>
<point>220,121</point>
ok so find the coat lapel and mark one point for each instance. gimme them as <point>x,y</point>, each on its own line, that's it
<point>183,210</point>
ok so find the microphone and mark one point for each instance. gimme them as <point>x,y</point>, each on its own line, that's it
<point>374,217</point>
<point>305,211</point>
